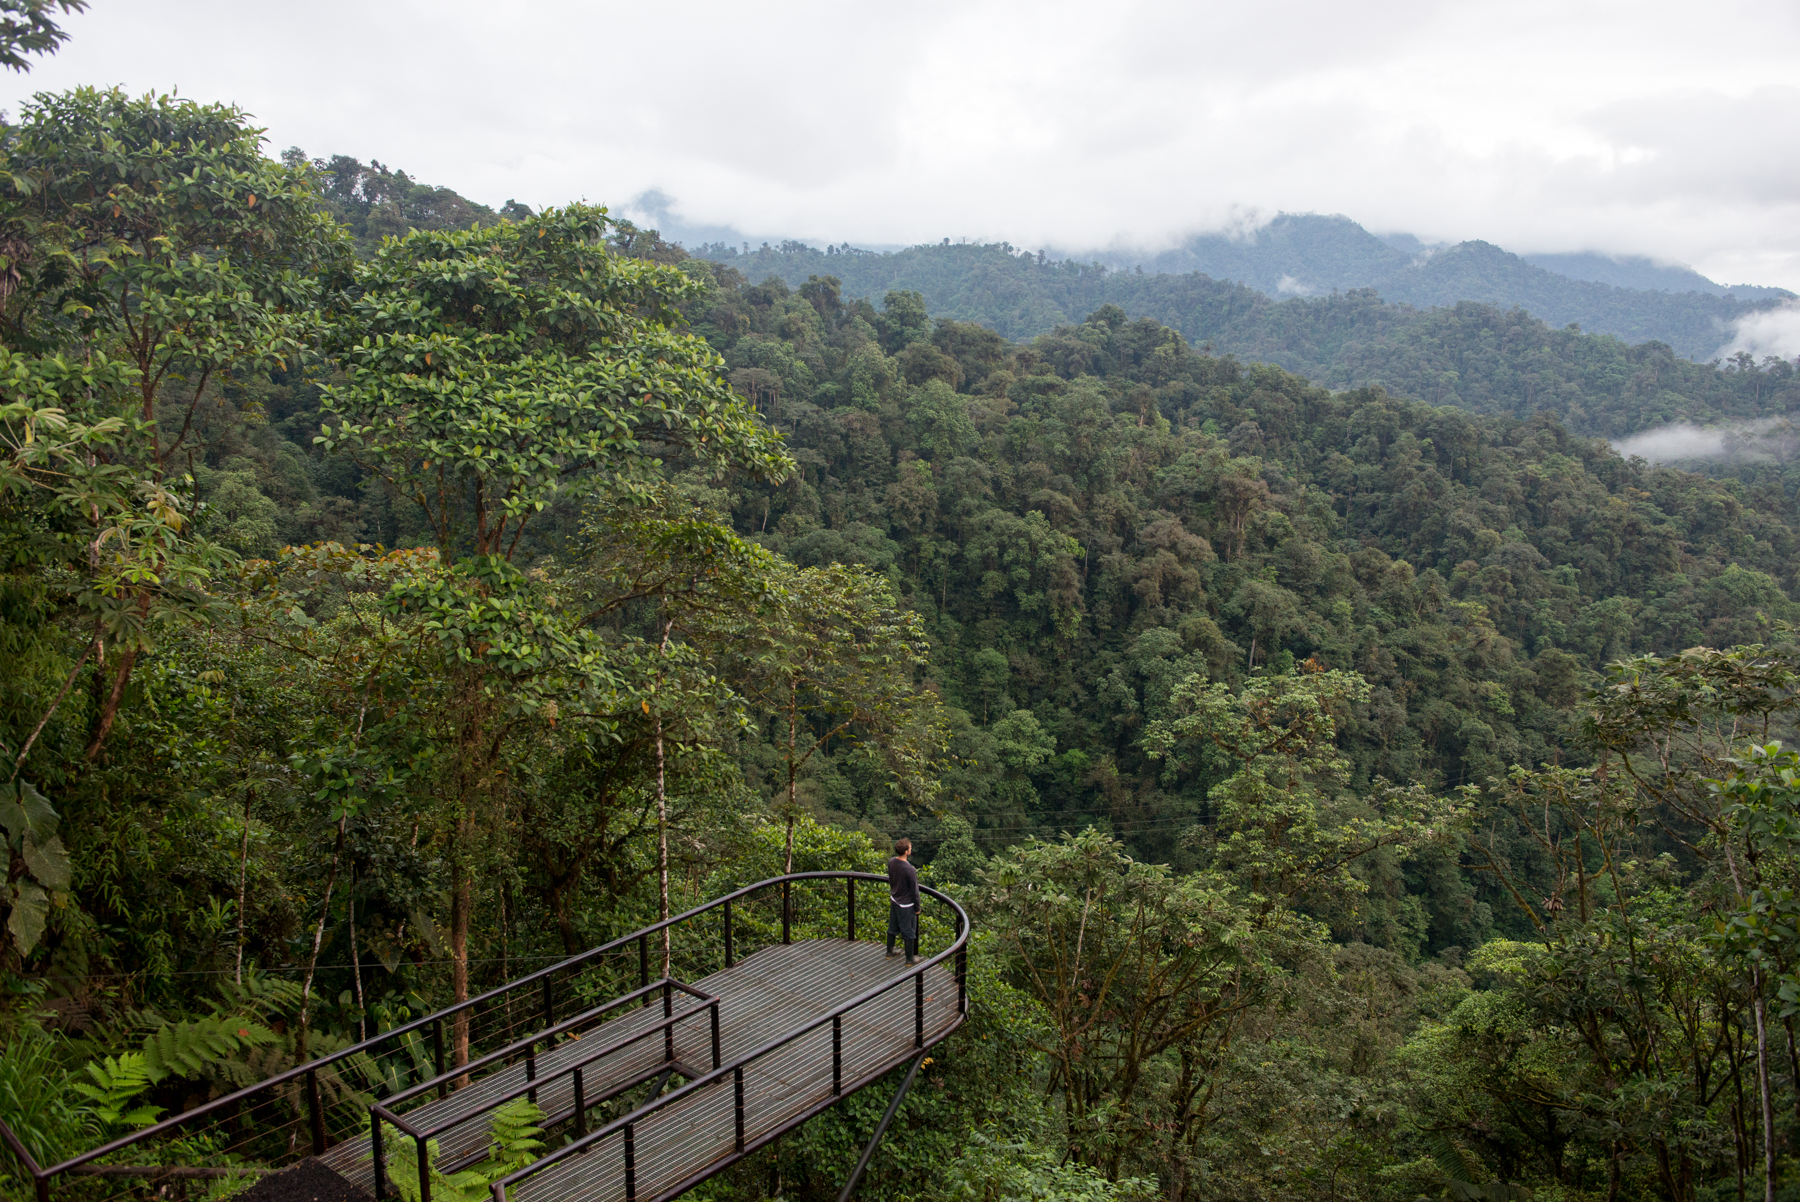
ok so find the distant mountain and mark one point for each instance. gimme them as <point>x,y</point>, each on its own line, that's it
<point>1694,324</point>
<point>1488,357</point>
<point>1294,255</point>
<point>1307,255</point>
<point>1635,271</point>
<point>1311,255</point>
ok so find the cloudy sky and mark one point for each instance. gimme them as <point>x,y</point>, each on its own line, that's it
<point>1639,127</point>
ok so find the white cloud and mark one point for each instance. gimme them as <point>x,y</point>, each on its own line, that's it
<point>1770,332</point>
<point>1763,440</point>
<point>1586,124</point>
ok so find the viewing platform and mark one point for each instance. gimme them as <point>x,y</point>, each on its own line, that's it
<point>647,1086</point>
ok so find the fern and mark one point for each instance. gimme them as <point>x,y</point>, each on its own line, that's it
<point>514,1129</point>
<point>186,1049</point>
<point>257,996</point>
<point>1455,1168</point>
<point>117,1080</point>
<point>470,1185</point>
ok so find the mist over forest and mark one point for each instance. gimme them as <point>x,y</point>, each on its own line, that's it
<point>1349,684</point>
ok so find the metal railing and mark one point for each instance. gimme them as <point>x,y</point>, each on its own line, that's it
<point>383,1112</point>
<point>313,1105</point>
<point>626,1126</point>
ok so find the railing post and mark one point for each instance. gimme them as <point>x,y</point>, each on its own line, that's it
<point>43,1189</point>
<point>549,1001</point>
<point>424,1169</point>
<point>375,1153</point>
<point>850,888</point>
<point>644,966</point>
<point>531,1069</point>
<point>668,1027</point>
<point>437,1053</point>
<point>787,910</point>
<point>715,1032</point>
<point>580,1108</point>
<point>837,1054</point>
<point>728,933</point>
<point>962,979</point>
<point>919,1011</point>
<point>737,1085</point>
<point>316,1112</point>
<point>630,1164</point>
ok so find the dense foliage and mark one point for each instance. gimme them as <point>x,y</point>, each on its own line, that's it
<point>1357,796</point>
<point>1471,343</point>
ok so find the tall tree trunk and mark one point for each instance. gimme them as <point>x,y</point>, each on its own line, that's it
<point>58,700</point>
<point>1762,1080</point>
<point>662,845</point>
<point>559,909</point>
<point>243,880</point>
<point>462,905</point>
<point>312,965</point>
<point>662,804</point>
<point>1793,1066</point>
<point>362,1009</point>
<point>793,777</point>
<point>109,709</point>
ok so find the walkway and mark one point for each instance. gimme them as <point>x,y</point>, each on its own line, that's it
<point>778,990</point>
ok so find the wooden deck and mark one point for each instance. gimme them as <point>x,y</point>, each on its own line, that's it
<point>775,991</point>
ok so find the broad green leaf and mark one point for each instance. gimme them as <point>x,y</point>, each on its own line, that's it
<point>48,861</point>
<point>23,809</point>
<point>30,909</point>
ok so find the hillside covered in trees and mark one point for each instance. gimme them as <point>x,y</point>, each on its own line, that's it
<point>1439,340</point>
<point>1361,792</point>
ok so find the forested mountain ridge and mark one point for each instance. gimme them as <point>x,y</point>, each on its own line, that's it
<point>1432,330</point>
<point>1469,354</point>
<point>1694,324</point>
<point>373,201</point>
<point>1294,256</point>
<point>1475,355</point>
<point>1637,271</point>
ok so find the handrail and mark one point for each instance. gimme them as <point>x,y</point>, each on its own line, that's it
<point>562,1028</point>
<point>308,1069</point>
<point>535,1083</point>
<point>626,1122</point>
<point>580,960</point>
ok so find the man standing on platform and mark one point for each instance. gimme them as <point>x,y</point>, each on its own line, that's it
<point>903,901</point>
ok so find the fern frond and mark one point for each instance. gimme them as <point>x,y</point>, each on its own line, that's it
<point>1447,1156</point>
<point>115,1081</point>
<point>188,1048</point>
<point>257,996</point>
<point>514,1128</point>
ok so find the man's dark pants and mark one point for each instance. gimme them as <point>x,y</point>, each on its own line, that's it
<point>903,922</point>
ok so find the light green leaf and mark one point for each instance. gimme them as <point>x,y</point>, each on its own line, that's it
<point>48,861</point>
<point>30,908</point>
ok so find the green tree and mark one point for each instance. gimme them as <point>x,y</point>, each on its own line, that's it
<point>489,371</point>
<point>1284,824</point>
<point>830,656</point>
<point>1145,977</point>
<point>151,241</point>
<point>29,27</point>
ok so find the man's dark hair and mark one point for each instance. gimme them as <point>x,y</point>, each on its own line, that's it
<point>902,846</point>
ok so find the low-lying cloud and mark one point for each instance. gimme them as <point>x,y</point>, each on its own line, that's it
<point>1769,332</point>
<point>1765,440</point>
